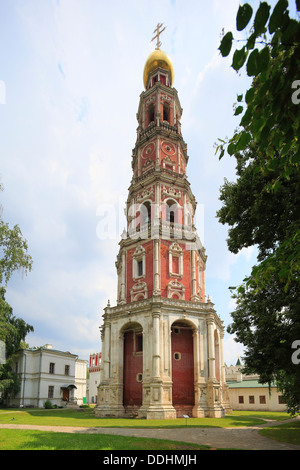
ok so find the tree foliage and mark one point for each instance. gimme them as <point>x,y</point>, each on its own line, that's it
<point>262,206</point>
<point>13,330</point>
<point>13,250</point>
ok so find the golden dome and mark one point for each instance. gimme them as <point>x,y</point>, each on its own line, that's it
<point>156,59</point>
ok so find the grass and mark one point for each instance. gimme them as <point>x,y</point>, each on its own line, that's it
<point>12,439</point>
<point>17,439</point>
<point>86,418</point>
<point>289,433</point>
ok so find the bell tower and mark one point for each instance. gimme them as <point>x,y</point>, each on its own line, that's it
<point>162,344</point>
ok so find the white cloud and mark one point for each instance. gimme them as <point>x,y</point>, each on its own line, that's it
<point>232,350</point>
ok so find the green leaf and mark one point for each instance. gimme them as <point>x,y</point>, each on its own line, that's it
<point>243,16</point>
<point>263,59</point>
<point>252,65</point>
<point>239,58</point>
<point>243,141</point>
<point>231,148</point>
<point>276,186</point>
<point>277,15</point>
<point>251,41</point>
<point>290,33</point>
<point>239,98</point>
<point>221,153</point>
<point>295,158</point>
<point>226,43</point>
<point>261,17</point>
<point>246,119</point>
<point>238,110</point>
<point>249,95</point>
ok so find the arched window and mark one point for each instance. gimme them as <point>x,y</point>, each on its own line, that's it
<point>170,211</point>
<point>138,263</point>
<point>151,113</point>
<point>175,261</point>
<point>145,211</point>
<point>166,112</point>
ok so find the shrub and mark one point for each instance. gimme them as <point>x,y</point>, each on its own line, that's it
<point>48,405</point>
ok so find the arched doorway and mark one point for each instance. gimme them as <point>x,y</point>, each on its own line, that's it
<point>133,367</point>
<point>182,351</point>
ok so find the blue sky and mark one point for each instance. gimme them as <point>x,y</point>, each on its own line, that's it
<point>71,75</point>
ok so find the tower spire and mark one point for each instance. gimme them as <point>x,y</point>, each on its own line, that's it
<point>158,32</point>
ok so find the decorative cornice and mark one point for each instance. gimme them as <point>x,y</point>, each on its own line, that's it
<point>166,305</point>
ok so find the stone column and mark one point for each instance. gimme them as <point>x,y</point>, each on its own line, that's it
<point>211,348</point>
<point>222,365</point>
<point>156,267</point>
<point>106,351</point>
<point>123,278</point>
<point>194,279</point>
<point>156,355</point>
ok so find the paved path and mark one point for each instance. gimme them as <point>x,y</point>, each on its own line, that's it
<point>220,438</point>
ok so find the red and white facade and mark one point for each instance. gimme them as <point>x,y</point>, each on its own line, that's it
<point>94,377</point>
<point>162,351</point>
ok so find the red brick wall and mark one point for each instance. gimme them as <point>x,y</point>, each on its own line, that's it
<point>183,369</point>
<point>165,278</point>
<point>148,246</point>
<point>133,365</point>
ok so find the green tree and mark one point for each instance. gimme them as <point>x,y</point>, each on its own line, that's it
<point>13,330</point>
<point>262,206</point>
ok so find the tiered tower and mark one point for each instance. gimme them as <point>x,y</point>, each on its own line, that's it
<point>162,351</point>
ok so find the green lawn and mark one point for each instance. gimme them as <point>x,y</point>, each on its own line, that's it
<point>14,439</point>
<point>289,432</point>
<point>17,439</point>
<point>86,418</point>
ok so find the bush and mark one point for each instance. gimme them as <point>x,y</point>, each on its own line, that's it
<point>48,405</point>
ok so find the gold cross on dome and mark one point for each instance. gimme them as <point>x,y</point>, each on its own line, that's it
<point>158,32</point>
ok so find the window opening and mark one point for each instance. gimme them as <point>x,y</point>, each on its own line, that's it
<point>166,112</point>
<point>146,212</point>
<point>175,264</point>
<point>170,215</point>
<point>139,342</point>
<point>140,267</point>
<point>177,356</point>
<point>151,113</point>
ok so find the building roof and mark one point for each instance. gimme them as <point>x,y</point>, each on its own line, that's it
<point>248,384</point>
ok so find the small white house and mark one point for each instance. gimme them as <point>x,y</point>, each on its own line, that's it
<point>49,374</point>
<point>247,393</point>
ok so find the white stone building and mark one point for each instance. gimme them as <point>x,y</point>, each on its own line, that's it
<point>49,374</point>
<point>246,393</point>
